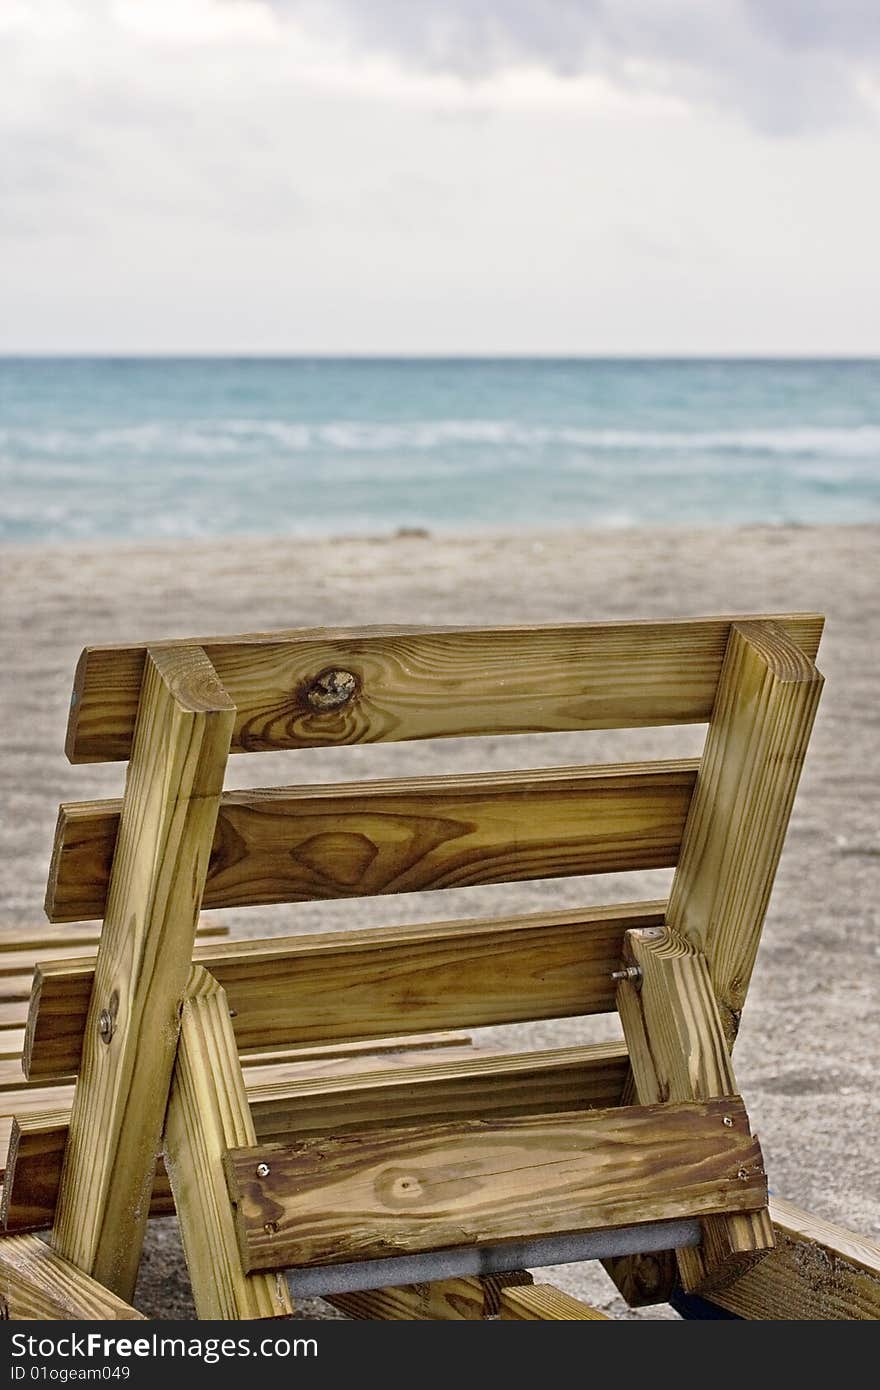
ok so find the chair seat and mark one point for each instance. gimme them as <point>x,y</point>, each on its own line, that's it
<point>368,1196</point>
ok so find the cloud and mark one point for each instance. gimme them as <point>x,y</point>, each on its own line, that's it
<point>783,65</point>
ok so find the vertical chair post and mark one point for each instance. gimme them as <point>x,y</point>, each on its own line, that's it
<point>761,722</point>
<point>174,779</point>
<point>678,1052</point>
<point>208,1113</point>
<point>760,726</point>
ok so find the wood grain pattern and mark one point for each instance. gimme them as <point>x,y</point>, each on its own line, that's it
<point>42,942</point>
<point>17,967</point>
<point>333,1200</point>
<point>543,1303</point>
<point>303,844</point>
<point>167,826</point>
<point>466,1299</point>
<point>817,1273</point>
<point>12,1043</point>
<point>768,693</point>
<point>758,735</point>
<point>207,1113</point>
<point>431,682</point>
<point>678,1052</point>
<point>375,982</point>
<point>35,1282</point>
<point>311,1097</point>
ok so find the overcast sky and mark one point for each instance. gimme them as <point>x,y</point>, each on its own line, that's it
<point>657,176</point>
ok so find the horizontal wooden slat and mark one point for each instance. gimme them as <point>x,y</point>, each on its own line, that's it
<point>338,1199</point>
<point>286,1105</point>
<point>373,983</point>
<point>43,941</point>
<point>301,844</point>
<point>11,1043</point>
<point>406,683</point>
<point>264,1068</point>
<point>15,988</point>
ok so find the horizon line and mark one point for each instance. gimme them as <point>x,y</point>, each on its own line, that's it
<point>243,355</point>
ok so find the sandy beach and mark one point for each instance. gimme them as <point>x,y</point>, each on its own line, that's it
<point>807,1056</point>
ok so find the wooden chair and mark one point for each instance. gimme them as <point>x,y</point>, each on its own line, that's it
<point>417,1190</point>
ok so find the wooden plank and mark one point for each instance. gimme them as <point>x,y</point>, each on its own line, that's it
<point>207,1113</point>
<point>322,686</point>
<point>36,1283</point>
<point>11,1044</point>
<point>388,1049</point>
<point>755,747</point>
<point>818,1272</point>
<point>303,844</point>
<point>337,1199</point>
<point>466,1299</point>
<point>73,942</point>
<point>758,736</point>
<point>678,1052</point>
<point>17,990</point>
<point>374,982</point>
<point>488,1086</point>
<point>543,1303</point>
<point>288,1106</point>
<point>172,790</point>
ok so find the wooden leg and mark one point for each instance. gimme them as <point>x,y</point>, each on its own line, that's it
<point>817,1273</point>
<point>159,867</point>
<point>207,1113</point>
<point>35,1282</point>
<point>678,1052</point>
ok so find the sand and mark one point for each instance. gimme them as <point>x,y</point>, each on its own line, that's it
<point>808,1051</point>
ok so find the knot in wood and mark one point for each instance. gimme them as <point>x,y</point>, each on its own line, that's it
<point>331,690</point>
<point>406,1187</point>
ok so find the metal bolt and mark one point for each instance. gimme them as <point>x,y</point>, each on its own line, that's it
<point>271,1228</point>
<point>262,1170</point>
<point>743,1175</point>
<point>629,972</point>
<point>727,1121</point>
<point>105,1025</point>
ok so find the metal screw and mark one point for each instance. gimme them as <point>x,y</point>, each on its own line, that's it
<point>271,1228</point>
<point>727,1121</point>
<point>105,1025</point>
<point>262,1170</point>
<point>629,972</point>
<point>743,1175</point>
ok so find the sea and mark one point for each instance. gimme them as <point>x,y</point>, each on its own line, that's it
<point>139,449</point>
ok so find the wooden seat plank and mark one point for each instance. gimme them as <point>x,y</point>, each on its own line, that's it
<point>334,1200</point>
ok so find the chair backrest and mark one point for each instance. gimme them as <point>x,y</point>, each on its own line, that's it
<point>322,688</point>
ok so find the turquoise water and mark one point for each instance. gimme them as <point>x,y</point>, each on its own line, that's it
<point>154,448</point>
